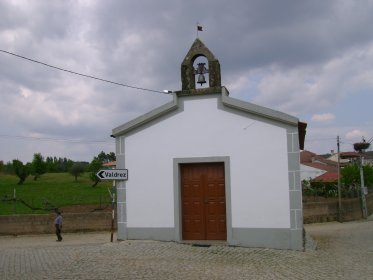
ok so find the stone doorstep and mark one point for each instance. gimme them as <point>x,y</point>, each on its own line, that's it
<point>204,243</point>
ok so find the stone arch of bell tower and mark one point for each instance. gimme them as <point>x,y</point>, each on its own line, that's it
<point>188,72</point>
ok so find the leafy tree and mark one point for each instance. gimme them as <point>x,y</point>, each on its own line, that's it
<point>64,164</point>
<point>101,157</point>
<point>368,175</point>
<point>54,164</point>
<point>94,167</point>
<point>76,170</point>
<point>104,158</point>
<point>67,164</point>
<point>324,189</point>
<point>350,177</point>
<point>50,166</point>
<point>38,166</point>
<point>1,165</point>
<point>111,156</point>
<point>97,163</point>
<point>22,171</point>
<point>8,168</point>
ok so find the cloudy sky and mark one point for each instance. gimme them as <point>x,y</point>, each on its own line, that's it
<point>312,59</point>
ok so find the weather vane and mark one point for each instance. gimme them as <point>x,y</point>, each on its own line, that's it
<point>199,28</point>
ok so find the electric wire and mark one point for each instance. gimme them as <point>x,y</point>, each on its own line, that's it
<point>106,81</point>
<point>85,75</point>
<point>79,74</point>
<point>320,139</point>
<point>54,139</point>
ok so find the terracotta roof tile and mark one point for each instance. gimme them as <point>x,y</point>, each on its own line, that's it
<point>307,156</point>
<point>331,176</point>
<point>110,164</point>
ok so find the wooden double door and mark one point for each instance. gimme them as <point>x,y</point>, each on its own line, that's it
<point>203,201</point>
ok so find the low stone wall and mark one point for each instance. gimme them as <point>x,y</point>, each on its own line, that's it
<point>327,210</point>
<point>73,222</point>
<point>313,212</point>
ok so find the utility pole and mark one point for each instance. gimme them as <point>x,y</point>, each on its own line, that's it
<point>361,147</point>
<point>363,199</point>
<point>339,182</point>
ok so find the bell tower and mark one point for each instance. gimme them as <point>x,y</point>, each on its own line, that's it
<point>189,71</point>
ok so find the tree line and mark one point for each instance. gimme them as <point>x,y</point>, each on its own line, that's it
<point>40,165</point>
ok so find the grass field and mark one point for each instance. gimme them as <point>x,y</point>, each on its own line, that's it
<point>50,190</point>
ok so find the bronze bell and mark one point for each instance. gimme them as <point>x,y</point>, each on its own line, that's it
<point>201,79</point>
<point>201,69</point>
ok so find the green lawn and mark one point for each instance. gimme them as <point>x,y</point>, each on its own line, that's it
<point>57,189</point>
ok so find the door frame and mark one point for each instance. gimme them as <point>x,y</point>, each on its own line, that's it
<point>177,192</point>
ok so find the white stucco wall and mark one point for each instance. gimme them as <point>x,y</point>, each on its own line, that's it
<point>258,171</point>
<point>308,172</point>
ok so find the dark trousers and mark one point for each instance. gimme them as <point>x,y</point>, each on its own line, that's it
<point>58,232</point>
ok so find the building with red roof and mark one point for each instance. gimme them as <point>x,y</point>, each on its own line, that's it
<point>317,168</point>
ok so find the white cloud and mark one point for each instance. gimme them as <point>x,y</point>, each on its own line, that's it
<point>312,87</point>
<point>323,118</point>
<point>356,135</point>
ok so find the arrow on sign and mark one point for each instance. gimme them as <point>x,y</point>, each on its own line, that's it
<point>113,174</point>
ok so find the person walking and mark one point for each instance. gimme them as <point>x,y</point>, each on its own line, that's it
<point>58,224</point>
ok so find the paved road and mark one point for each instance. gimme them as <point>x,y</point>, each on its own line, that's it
<point>344,251</point>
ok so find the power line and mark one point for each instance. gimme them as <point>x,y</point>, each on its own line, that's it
<point>54,139</point>
<point>329,139</point>
<point>320,139</point>
<point>84,75</point>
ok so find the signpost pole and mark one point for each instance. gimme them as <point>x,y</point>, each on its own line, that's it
<point>14,202</point>
<point>113,174</point>
<point>112,211</point>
